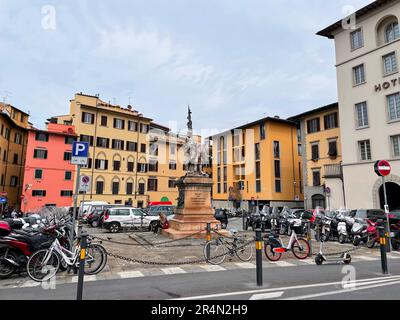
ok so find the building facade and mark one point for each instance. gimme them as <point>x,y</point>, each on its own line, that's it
<point>13,140</point>
<point>367,53</point>
<point>257,164</point>
<point>48,174</point>
<point>322,157</point>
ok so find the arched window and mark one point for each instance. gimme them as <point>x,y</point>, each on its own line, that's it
<point>392,32</point>
<point>115,185</point>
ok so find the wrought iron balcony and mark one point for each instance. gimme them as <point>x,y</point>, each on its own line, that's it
<point>333,171</point>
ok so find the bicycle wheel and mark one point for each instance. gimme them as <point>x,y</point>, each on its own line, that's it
<point>43,265</point>
<point>96,259</point>
<point>244,252</point>
<point>269,253</point>
<point>217,252</point>
<point>301,249</point>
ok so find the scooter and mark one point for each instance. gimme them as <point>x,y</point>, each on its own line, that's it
<point>359,232</point>
<point>373,234</point>
<point>321,257</point>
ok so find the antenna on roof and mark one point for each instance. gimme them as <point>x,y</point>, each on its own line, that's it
<point>6,95</point>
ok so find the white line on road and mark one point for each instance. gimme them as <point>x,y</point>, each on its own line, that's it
<point>365,258</point>
<point>86,278</point>
<point>308,261</point>
<point>283,264</point>
<point>265,296</point>
<point>315,285</point>
<point>211,267</point>
<point>173,270</point>
<point>130,274</point>
<point>245,265</point>
<point>30,283</point>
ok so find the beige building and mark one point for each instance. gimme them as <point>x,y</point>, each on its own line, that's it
<point>132,160</point>
<point>367,55</point>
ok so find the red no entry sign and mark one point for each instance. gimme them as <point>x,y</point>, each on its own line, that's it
<point>382,168</point>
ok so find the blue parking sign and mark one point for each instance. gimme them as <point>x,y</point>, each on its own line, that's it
<point>80,152</point>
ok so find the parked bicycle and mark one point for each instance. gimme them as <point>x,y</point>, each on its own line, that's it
<point>274,247</point>
<point>220,247</point>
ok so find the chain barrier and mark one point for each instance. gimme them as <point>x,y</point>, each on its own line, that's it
<point>197,261</point>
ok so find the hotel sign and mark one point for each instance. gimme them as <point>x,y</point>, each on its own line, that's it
<point>387,85</point>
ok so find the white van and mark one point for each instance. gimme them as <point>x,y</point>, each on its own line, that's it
<point>86,206</point>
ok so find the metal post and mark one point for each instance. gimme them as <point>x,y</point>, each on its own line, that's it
<point>309,238</point>
<point>208,239</point>
<point>387,215</point>
<point>382,234</point>
<point>244,218</point>
<point>82,258</point>
<point>259,271</point>
<point>78,173</point>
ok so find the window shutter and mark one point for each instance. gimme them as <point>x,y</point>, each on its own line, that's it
<point>92,118</point>
<point>45,154</point>
<point>83,116</point>
<point>325,122</point>
<point>336,120</point>
<point>35,153</point>
<point>106,164</point>
<point>96,163</point>
<point>91,141</point>
<point>122,145</point>
<point>89,163</point>
<point>115,122</point>
<point>108,142</point>
<point>318,125</point>
<point>123,124</point>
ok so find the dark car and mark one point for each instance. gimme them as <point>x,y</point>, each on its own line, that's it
<point>165,209</point>
<point>371,214</point>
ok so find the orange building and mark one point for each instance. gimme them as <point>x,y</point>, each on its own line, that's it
<point>49,175</point>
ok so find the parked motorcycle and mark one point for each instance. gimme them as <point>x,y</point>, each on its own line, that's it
<point>372,233</point>
<point>359,232</point>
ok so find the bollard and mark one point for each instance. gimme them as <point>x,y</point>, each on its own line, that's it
<point>259,271</point>
<point>310,254</point>
<point>244,219</point>
<point>82,257</point>
<point>208,239</point>
<point>383,246</point>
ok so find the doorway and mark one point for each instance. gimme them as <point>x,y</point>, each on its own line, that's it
<point>393,196</point>
<point>318,200</point>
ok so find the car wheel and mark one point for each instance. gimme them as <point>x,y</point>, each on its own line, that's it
<point>114,227</point>
<point>152,225</point>
<point>95,224</point>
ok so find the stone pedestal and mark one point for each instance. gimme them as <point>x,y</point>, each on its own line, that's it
<point>194,209</point>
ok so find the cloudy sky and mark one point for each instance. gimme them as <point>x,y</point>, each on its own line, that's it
<point>232,61</point>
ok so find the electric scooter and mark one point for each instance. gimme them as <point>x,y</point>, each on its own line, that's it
<point>321,257</point>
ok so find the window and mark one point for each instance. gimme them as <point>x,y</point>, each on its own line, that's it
<point>141,188</point>
<point>117,144</point>
<point>99,187</point>
<point>171,183</point>
<point>394,106</point>
<point>129,188</point>
<point>67,156</point>
<point>277,151</point>
<point>359,74</point>
<point>101,164</point>
<point>258,170</point>
<point>15,159</point>
<point>40,154</point>
<point>7,134</point>
<point>316,178</point>
<point>362,115</point>
<point>144,128</point>
<point>103,121</point>
<point>278,186</point>
<point>154,149</point>
<point>392,32</point>
<point>153,165</point>
<point>262,131</point>
<point>130,166</point>
<point>172,165</point>
<point>22,118</point>
<point>332,151</point>
<point>142,148</point>
<point>131,146</point>
<point>257,151</point>
<point>395,145</point>
<point>103,142</point>
<point>69,140</point>
<point>225,173</point>
<point>116,165</point>
<point>115,187</point>
<point>87,117</point>
<point>41,136</point>
<point>313,125</point>
<point>225,187</point>
<point>152,184</point>
<point>365,150</point>
<point>119,124</point>
<point>389,63</point>
<point>219,174</point>
<point>38,193</point>
<point>66,193</point>
<point>357,40</point>
<point>132,126</point>
<point>331,121</point>
<point>219,188</point>
<point>299,149</point>
<point>258,186</point>
<point>5,155</point>
<point>277,165</point>
<point>68,175</point>
<point>17,138</point>
<point>38,174</point>
<point>13,181</point>
<point>172,149</point>
<point>142,167</point>
<point>314,151</point>
<point>86,138</point>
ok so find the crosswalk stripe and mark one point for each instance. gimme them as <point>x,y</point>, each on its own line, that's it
<point>283,264</point>
<point>173,270</point>
<point>130,274</point>
<point>30,283</point>
<point>365,258</point>
<point>211,267</point>
<point>308,261</point>
<point>245,265</point>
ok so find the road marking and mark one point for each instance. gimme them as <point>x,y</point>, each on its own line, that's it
<point>173,270</point>
<point>86,278</point>
<point>283,264</point>
<point>265,296</point>
<point>30,283</point>
<point>245,265</point>
<point>211,267</point>
<point>391,256</point>
<point>308,261</point>
<point>365,258</point>
<point>130,274</point>
<point>315,285</point>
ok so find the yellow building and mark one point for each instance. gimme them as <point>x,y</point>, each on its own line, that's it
<point>257,163</point>
<point>323,182</point>
<point>132,160</point>
<point>13,139</point>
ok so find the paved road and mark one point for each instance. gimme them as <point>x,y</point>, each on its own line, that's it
<point>301,282</point>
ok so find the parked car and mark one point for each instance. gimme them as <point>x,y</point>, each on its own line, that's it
<point>168,210</point>
<point>371,214</point>
<point>117,219</point>
<point>86,207</point>
<point>96,213</point>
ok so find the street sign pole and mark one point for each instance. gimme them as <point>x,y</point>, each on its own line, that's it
<point>78,174</point>
<point>389,244</point>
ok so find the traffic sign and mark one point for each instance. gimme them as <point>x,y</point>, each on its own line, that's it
<point>382,168</point>
<point>3,193</point>
<point>84,183</point>
<point>80,153</point>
